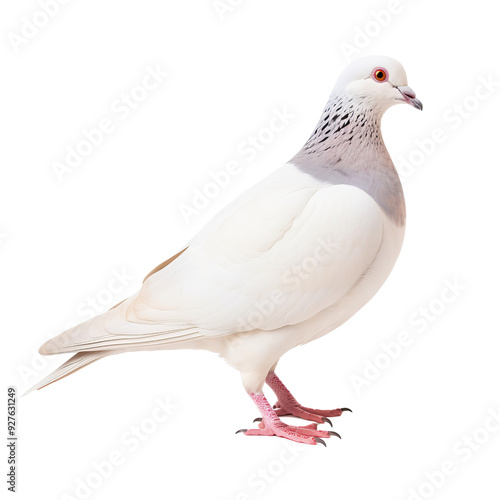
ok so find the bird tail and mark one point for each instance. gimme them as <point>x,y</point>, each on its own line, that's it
<point>79,360</point>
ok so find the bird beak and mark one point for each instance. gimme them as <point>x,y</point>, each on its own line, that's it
<point>410,97</point>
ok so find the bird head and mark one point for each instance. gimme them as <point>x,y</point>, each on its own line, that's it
<point>377,82</point>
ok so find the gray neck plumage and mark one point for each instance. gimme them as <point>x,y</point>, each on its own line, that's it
<point>347,148</point>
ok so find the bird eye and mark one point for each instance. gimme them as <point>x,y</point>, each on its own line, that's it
<point>380,75</point>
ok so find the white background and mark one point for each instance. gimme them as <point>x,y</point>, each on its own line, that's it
<point>61,242</point>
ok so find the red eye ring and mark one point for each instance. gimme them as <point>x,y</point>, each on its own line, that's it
<point>380,75</point>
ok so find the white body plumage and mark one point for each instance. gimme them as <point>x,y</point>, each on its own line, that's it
<point>245,300</point>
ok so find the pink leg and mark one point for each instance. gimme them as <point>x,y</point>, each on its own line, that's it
<point>271,425</point>
<point>288,405</point>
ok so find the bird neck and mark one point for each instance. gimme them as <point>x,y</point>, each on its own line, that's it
<point>347,128</point>
<point>346,147</point>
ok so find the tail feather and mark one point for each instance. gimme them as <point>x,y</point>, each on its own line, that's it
<point>79,360</point>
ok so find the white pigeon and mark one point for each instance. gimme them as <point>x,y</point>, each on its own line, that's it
<point>290,260</point>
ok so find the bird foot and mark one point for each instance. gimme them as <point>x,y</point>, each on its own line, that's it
<point>297,410</point>
<point>308,434</point>
<point>271,425</point>
<point>288,406</point>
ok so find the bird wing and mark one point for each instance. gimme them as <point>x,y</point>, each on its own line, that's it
<point>285,250</point>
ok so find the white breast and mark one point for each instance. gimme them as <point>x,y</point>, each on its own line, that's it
<point>335,315</point>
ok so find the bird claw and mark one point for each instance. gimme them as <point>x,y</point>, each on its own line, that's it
<point>319,440</point>
<point>313,415</point>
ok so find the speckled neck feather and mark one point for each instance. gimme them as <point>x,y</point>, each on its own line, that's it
<point>347,148</point>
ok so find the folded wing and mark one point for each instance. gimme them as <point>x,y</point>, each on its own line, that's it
<point>285,250</point>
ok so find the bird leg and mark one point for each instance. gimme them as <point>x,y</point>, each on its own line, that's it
<point>288,405</point>
<point>271,425</point>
